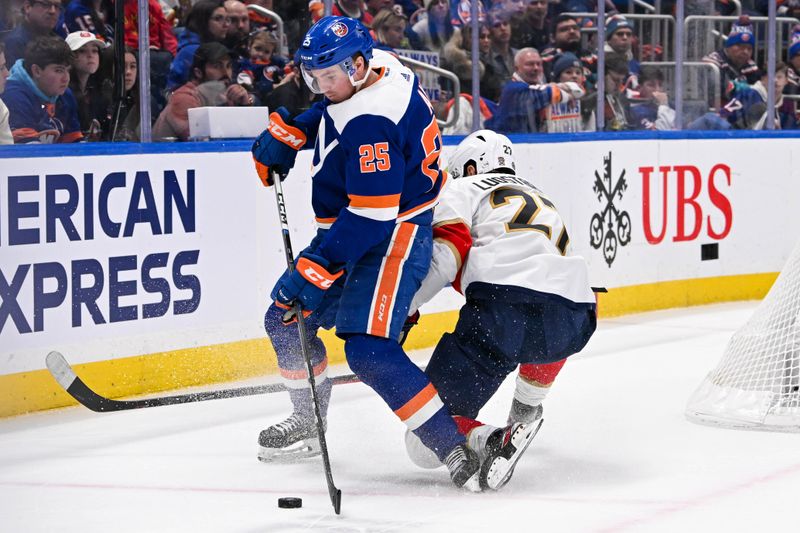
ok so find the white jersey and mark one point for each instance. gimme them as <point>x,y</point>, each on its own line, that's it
<point>500,229</point>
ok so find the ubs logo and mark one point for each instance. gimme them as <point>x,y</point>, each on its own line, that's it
<point>611,227</point>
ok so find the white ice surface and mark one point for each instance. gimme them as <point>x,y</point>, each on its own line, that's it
<point>615,454</point>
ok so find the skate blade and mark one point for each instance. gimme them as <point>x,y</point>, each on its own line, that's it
<point>499,472</point>
<point>291,454</point>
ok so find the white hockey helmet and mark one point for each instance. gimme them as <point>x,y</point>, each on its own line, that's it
<point>487,150</point>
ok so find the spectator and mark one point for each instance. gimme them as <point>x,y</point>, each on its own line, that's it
<point>163,47</point>
<point>653,111</point>
<point>735,60</point>
<point>292,93</point>
<point>531,28</point>
<point>501,56</point>
<point>458,59</point>
<point>39,19</point>
<point>91,16</point>
<point>619,39</point>
<point>747,108</point>
<point>42,108</point>
<point>8,15</point>
<point>793,73</point>
<point>526,96</point>
<point>207,22</point>
<point>209,85</point>
<point>162,39</point>
<point>617,109</point>
<point>461,12</point>
<point>239,30</point>
<point>5,130</point>
<point>566,37</point>
<point>434,27</point>
<point>342,8</point>
<point>793,55</point>
<point>86,87</point>
<point>789,8</point>
<point>264,68</point>
<point>389,30</point>
<point>566,116</point>
<point>374,6</point>
<point>128,125</point>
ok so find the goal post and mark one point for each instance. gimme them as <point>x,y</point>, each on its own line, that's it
<point>756,385</point>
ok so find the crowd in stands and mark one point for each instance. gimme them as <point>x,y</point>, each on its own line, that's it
<point>61,82</point>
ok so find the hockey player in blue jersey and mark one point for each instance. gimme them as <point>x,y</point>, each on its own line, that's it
<point>376,178</point>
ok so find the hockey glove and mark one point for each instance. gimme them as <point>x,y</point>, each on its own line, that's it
<point>409,323</point>
<point>306,284</point>
<point>277,146</point>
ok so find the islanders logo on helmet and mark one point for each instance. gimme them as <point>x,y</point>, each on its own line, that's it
<point>333,40</point>
<point>339,29</point>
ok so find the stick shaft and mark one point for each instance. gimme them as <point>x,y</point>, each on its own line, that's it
<point>335,493</point>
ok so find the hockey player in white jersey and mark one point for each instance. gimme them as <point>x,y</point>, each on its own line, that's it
<point>501,242</point>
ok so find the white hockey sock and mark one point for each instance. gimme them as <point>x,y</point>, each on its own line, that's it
<point>528,393</point>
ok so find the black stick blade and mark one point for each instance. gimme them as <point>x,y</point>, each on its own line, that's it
<point>337,502</point>
<point>75,387</point>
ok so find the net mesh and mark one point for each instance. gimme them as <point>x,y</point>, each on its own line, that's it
<point>757,383</point>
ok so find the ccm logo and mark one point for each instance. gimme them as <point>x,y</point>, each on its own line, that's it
<point>283,135</point>
<point>317,279</point>
<point>382,308</point>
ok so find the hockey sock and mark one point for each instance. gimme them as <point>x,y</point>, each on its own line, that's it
<point>465,425</point>
<point>292,366</point>
<point>383,365</point>
<point>534,381</point>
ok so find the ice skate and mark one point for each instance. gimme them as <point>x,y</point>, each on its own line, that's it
<point>464,468</point>
<point>505,448</point>
<point>523,413</point>
<point>293,439</point>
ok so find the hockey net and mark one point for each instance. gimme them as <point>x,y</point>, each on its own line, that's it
<point>757,383</point>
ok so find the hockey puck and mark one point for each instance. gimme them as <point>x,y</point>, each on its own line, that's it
<point>290,503</point>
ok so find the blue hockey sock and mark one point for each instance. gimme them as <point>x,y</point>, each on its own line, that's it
<point>286,342</point>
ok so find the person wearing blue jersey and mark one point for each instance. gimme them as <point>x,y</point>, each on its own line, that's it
<point>42,107</point>
<point>375,179</point>
<point>526,96</point>
<point>39,18</point>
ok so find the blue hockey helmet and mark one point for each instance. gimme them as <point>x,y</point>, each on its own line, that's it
<point>334,41</point>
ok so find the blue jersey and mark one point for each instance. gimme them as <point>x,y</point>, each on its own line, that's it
<point>520,106</point>
<point>78,17</point>
<point>375,163</point>
<point>31,120</point>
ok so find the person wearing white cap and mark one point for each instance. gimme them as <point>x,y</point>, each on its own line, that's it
<point>93,105</point>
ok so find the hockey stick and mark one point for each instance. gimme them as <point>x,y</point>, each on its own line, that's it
<point>335,494</point>
<point>78,389</point>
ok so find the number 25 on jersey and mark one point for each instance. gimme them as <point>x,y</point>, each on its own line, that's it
<point>374,157</point>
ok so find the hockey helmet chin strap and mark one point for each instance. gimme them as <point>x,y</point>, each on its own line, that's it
<point>348,67</point>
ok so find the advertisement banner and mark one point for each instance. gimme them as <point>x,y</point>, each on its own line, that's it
<point>108,256</point>
<point>113,256</point>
